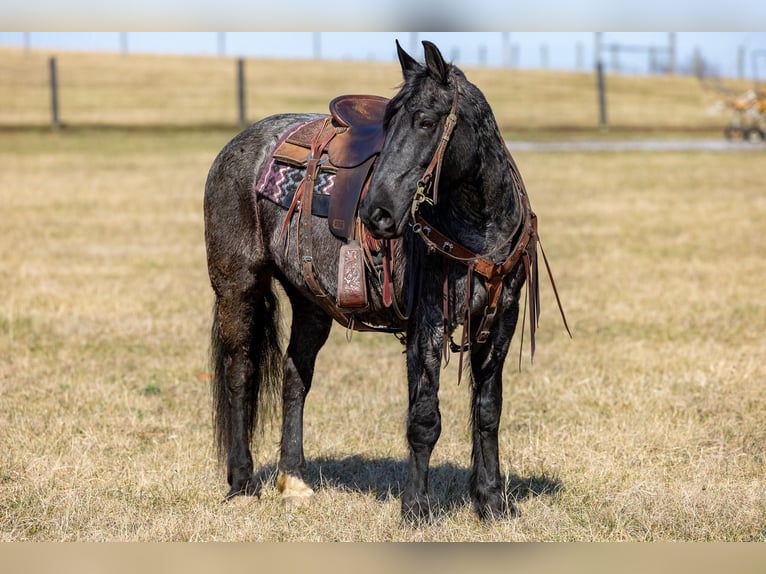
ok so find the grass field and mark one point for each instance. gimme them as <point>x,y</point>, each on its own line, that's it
<point>648,425</point>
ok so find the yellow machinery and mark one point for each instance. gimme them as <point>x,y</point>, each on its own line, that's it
<point>749,116</point>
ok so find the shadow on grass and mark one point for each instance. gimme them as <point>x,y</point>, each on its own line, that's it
<point>384,478</point>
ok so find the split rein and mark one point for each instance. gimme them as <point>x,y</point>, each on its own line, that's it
<point>493,273</point>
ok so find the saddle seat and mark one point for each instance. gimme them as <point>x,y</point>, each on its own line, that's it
<point>355,133</point>
<point>362,118</point>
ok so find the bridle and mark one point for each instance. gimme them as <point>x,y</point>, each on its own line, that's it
<point>430,178</point>
<point>493,273</point>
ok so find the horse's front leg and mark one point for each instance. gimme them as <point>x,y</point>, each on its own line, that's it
<point>310,329</point>
<point>423,418</point>
<point>486,484</point>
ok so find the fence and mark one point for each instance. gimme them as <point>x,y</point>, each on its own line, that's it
<point>104,89</point>
<point>109,89</point>
<point>112,89</point>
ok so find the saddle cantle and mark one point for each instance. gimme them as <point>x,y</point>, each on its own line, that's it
<point>362,116</point>
<point>355,139</point>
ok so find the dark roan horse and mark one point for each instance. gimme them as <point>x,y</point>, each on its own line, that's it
<point>449,240</point>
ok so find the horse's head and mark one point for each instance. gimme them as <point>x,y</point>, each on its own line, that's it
<point>414,124</point>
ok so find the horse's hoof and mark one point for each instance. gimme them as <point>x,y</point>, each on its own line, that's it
<point>418,512</point>
<point>295,492</point>
<point>245,491</point>
<point>495,507</point>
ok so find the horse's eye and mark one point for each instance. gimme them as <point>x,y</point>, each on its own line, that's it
<point>424,122</point>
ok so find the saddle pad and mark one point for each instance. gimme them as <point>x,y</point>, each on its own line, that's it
<point>279,181</point>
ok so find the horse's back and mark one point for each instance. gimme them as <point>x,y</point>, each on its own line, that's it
<point>231,228</point>
<point>240,160</point>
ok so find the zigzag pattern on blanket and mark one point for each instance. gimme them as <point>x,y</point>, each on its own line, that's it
<point>280,181</point>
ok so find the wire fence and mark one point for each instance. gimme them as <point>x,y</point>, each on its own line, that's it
<point>80,89</point>
<point>85,89</point>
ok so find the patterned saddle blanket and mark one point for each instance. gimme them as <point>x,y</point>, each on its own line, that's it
<point>279,181</point>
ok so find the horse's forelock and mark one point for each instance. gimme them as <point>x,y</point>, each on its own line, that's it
<point>411,86</point>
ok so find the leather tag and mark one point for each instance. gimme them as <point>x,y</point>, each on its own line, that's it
<point>352,287</point>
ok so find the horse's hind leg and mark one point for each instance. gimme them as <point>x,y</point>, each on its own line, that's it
<point>310,329</point>
<point>246,358</point>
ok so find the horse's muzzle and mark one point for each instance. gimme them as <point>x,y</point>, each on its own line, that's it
<point>379,221</point>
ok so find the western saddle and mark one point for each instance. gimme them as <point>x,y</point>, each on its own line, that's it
<point>350,140</point>
<point>346,143</point>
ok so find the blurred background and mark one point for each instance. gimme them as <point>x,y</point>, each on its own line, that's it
<point>727,54</point>
<point>682,83</point>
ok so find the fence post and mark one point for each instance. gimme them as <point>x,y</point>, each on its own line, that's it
<point>506,38</point>
<point>241,92</point>
<point>55,123</point>
<point>600,84</point>
<point>602,121</point>
<point>672,53</point>
<point>741,63</point>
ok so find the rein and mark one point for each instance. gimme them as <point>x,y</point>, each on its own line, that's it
<point>525,249</point>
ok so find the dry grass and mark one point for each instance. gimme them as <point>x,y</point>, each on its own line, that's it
<point>647,426</point>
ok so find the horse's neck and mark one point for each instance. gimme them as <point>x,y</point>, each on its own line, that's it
<point>485,212</point>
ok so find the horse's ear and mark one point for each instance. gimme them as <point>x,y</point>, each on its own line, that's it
<point>409,64</point>
<point>437,67</point>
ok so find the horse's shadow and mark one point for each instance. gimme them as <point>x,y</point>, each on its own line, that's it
<point>384,478</point>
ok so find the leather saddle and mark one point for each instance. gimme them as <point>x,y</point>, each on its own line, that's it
<point>355,135</point>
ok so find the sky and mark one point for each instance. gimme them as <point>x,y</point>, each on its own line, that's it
<point>555,50</point>
<point>559,34</point>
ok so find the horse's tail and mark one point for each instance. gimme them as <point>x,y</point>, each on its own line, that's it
<point>263,381</point>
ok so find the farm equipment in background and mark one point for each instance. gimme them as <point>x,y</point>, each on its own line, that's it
<point>748,121</point>
<point>749,116</point>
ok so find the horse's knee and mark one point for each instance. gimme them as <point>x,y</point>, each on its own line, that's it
<point>295,492</point>
<point>424,424</point>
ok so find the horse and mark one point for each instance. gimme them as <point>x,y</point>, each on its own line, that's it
<point>449,240</point>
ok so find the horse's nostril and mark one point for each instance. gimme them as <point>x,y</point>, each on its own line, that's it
<point>382,219</point>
